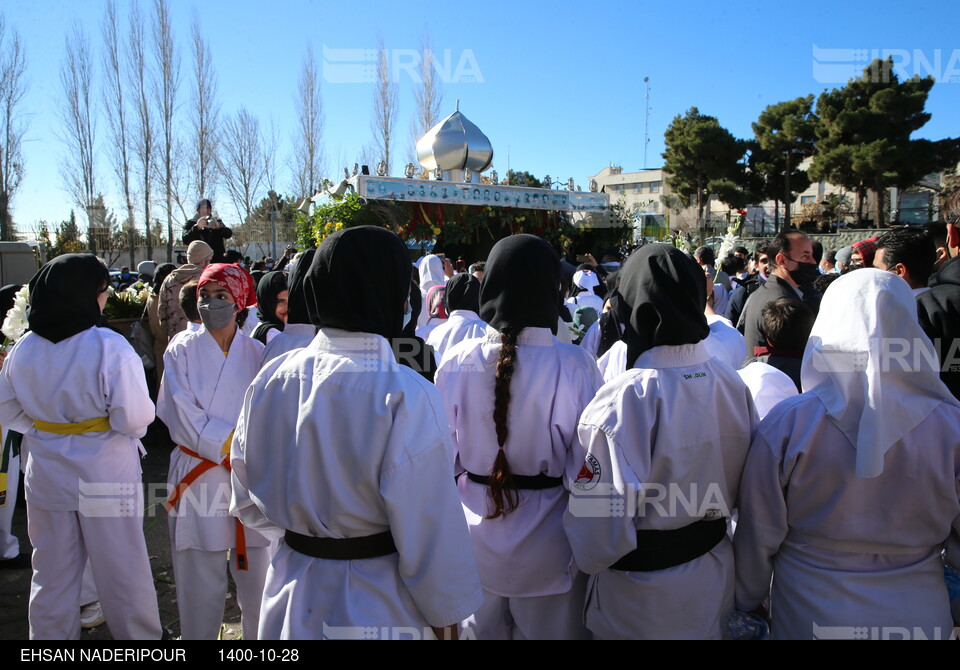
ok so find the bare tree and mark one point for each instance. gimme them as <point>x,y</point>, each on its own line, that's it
<point>13,86</point>
<point>144,140</point>
<point>241,161</point>
<point>182,186</point>
<point>384,106</point>
<point>115,105</point>
<point>204,116</point>
<point>79,126</point>
<point>165,91</point>
<point>269,143</point>
<point>428,96</point>
<point>308,140</point>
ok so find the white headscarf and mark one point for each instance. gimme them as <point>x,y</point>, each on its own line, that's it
<point>431,273</point>
<point>586,279</point>
<point>871,365</point>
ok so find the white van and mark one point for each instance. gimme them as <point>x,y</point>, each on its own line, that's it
<point>19,261</point>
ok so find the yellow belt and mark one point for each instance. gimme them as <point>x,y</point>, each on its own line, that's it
<point>88,426</point>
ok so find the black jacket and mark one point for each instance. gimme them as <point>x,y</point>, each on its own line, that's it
<point>752,318</point>
<point>738,297</point>
<point>939,312</point>
<point>212,236</point>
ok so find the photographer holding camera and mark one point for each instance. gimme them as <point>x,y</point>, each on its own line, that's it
<point>204,226</point>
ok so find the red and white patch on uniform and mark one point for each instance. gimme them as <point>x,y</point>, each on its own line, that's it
<point>589,475</point>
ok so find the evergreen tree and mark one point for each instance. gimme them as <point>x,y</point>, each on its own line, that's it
<point>702,158</point>
<point>785,134</point>
<point>863,138</point>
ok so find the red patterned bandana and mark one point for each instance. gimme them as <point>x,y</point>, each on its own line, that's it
<point>235,279</point>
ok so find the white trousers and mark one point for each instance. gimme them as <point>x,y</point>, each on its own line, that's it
<point>9,545</point>
<point>556,617</point>
<point>88,586</point>
<point>117,549</point>
<point>201,578</point>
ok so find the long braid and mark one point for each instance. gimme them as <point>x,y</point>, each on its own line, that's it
<point>505,498</point>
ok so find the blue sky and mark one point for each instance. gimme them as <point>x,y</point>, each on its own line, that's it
<point>556,87</point>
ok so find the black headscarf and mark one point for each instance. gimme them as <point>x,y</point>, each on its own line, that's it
<point>8,296</point>
<point>610,329</point>
<point>271,285</point>
<point>463,292</point>
<point>519,288</point>
<point>371,302</point>
<point>160,274</point>
<point>661,297</point>
<point>298,311</point>
<point>63,296</point>
<point>411,350</point>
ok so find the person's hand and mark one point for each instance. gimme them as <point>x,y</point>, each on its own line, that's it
<point>3,357</point>
<point>447,268</point>
<point>591,260</point>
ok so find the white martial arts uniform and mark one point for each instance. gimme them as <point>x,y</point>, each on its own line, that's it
<point>83,491</point>
<point>725,342</point>
<point>339,441</point>
<point>423,332</point>
<point>294,336</point>
<point>462,324</point>
<point>767,385</point>
<point>851,488</point>
<point>847,552</point>
<point>721,343</point>
<point>200,399</point>
<point>677,427</point>
<point>591,339</point>
<point>525,561</point>
<point>584,299</point>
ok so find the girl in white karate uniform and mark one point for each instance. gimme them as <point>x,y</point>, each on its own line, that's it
<point>204,380</point>
<point>514,398</point>
<point>661,450</point>
<point>850,490</point>
<point>345,455</point>
<point>78,394</point>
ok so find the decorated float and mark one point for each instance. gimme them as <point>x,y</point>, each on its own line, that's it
<point>456,203</point>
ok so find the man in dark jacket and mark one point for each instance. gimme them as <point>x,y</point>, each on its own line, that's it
<point>206,228</point>
<point>791,264</point>
<point>939,308</point>
<point>746,287</point>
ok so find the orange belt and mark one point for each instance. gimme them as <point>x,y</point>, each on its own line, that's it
<point>191,477</point>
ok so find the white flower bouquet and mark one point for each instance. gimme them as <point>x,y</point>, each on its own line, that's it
<point>15,322</point>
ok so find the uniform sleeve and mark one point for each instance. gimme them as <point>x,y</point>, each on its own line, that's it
<point>12,416</point>
<point>599,519</point>
<point>426,518</point>
<point>242,505</point>
<point>180,410</point>
<point>762,525</point>
<point>446,382</point>
<point>128,401</point>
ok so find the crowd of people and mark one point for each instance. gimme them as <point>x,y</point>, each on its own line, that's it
<point>656,446</point>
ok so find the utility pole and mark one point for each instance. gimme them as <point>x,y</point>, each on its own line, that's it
<point>646,122</point>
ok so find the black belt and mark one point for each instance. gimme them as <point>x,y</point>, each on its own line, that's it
<point>662,549</point>
<point>344,549</point>
<point>534,483</point>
